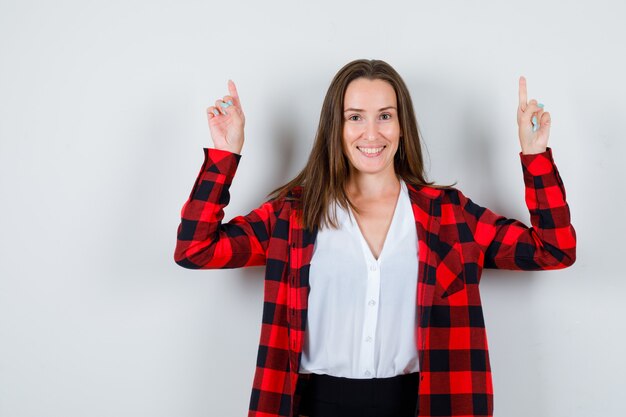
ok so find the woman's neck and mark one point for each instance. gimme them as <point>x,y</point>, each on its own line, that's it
<point>372,186</point>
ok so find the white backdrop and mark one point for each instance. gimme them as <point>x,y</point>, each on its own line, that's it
<point>102,107</point>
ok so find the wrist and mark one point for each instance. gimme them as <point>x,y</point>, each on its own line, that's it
<point>533,151</point>
<point>230,149</point>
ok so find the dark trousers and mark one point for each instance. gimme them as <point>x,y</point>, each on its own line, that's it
<point>330,396</point>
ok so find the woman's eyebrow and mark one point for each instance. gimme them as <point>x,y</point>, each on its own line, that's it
<point>384,108</point>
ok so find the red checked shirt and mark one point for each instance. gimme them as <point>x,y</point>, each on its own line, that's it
<point>457,239</point>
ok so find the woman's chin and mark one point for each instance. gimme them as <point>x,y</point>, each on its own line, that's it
<point>369,168</point>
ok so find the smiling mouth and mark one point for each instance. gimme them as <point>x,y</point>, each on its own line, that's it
<point>371,151</point>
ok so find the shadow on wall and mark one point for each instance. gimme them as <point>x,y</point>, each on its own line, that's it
<point>284,142</point>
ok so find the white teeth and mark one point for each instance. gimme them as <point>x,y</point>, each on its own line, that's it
<point>370,150</point>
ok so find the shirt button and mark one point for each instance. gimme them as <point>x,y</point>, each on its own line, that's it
<point>368,339</point>
<point>367,373</point>
<point>372,303</point>
<point>373,267</point>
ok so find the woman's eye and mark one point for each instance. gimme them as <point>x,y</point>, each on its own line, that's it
<point>355,117</point>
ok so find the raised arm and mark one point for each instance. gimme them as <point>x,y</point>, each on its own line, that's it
<point>551,241</point>
<point>508,243</point>
<point>203,241</point>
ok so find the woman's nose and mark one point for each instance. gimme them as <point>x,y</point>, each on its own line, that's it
<point>371,130</point>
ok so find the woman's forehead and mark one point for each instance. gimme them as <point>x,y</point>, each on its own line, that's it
<point>363,94</point>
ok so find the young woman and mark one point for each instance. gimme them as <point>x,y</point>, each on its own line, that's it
<point>371,298</point>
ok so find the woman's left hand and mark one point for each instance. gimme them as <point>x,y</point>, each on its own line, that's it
<point>531,141</point>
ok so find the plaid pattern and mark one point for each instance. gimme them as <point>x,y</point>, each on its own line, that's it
<point>457,238</point>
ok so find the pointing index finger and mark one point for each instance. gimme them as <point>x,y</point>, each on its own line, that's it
<point>233,92</point>
<point>523,97</point>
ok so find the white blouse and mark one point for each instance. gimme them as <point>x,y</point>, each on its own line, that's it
<point>361,310</point>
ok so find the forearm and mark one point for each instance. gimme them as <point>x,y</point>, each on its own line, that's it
<point>202,240</point>
<point>551,241</point>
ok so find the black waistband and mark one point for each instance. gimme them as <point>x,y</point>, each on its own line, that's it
<point>376,392</point>
<point>339,381</point>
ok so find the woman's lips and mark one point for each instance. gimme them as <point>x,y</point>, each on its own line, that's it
<point>371,152</point>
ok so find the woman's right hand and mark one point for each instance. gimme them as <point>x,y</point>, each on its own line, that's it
<point>227,127</point>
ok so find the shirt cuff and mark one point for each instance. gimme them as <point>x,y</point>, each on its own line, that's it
<point>539,163</point>
<point>220,161</point>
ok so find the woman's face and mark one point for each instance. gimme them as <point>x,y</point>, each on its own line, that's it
<point>371,129</point>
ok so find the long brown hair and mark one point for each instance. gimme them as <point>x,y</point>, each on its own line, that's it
<point>323,179</point>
